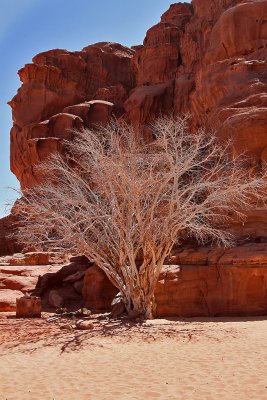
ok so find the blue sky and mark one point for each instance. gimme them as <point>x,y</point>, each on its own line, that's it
<point>28,27</point>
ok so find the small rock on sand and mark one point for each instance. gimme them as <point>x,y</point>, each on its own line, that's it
<point>84,325</point>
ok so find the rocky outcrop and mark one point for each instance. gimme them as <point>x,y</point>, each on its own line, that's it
<point>98,291</point>
<point>198,282</point>
<point>19,275</point>
<point>201,282</point>
<point>208,58</point>
<point>64,286</point>
<point>62,91</point>
<point>197,59</point>
<point>39,140</point>
<point>215,282</point>
<point>43,274</point>
<point>8,244</point>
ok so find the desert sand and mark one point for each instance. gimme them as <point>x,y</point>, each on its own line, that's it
<point>160,359</point>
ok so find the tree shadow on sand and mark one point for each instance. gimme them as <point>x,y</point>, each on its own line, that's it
<point>30,335</point>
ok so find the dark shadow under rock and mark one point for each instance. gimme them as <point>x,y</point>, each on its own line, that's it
<point>64,287</point>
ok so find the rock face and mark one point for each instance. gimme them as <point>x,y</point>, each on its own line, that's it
<point>208,58</point>
<point>200,282</point>
<point>61,91</point>
<point>197,59</point>
<point>203,282</point>
<point>46,275</point>
<point>7,243</point>
<point>19,275</point>
<point>98,291</point>
<point>215,283</point>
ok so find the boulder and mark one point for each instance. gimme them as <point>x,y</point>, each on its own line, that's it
<point>28,307</point>
<point>117,306</point>
<point>98,292</point>
<point>62,295</point>
<point>66,326</point>
<point>84,325</point>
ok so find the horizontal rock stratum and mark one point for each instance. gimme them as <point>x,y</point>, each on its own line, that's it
<point>201,282</point>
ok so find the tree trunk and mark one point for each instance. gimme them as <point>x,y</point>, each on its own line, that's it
<point>140,300</point>
<point>140,305</point>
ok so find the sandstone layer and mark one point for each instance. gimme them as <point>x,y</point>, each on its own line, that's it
<point>56,280</point>
<point>198,282</point>
<point>201,282</point>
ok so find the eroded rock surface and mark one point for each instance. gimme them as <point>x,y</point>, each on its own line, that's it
<point>41,274</point>
<point>201,282</point>
<point>208,58</point>
<point>62,91</point>
<point>197,59</point>
<point>197,282</point>
<point>8,244</point>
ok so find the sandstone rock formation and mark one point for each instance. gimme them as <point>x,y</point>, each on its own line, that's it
<point>19,275</point>
<point>98,291</point>
<point>208,58</point>
<point>201,282</point>
<point>61,91</point>
<point>8,244</point>
<point>197,59</point>
<point>42,274</point>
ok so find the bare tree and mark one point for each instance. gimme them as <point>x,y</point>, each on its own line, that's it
<point>124,203</point>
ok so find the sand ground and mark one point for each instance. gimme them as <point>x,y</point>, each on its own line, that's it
<point>160,359</point>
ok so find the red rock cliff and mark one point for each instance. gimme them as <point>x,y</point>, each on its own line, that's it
<point>208,58</point>
<point>57,94</point>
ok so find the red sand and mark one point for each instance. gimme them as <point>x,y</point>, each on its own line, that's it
<point>160,359</point>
